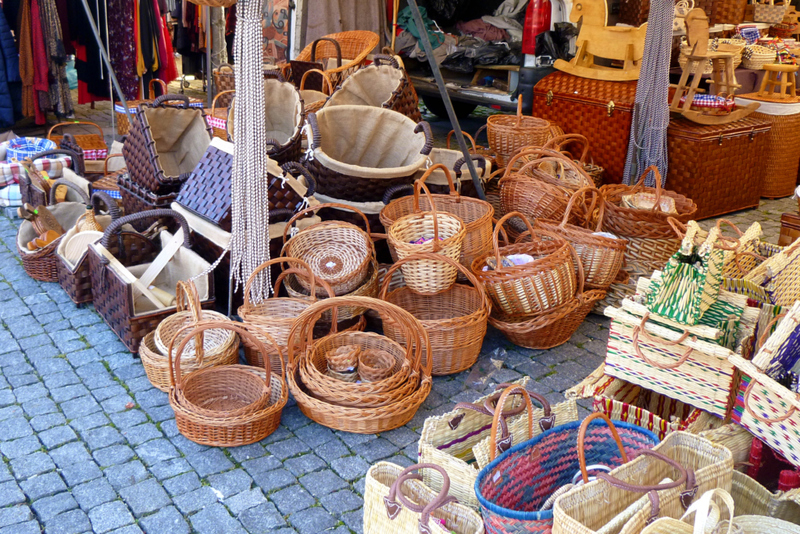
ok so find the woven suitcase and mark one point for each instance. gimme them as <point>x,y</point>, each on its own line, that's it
<point>790,229</point>
<point>728,11</point>
<point>633,12</point>
<point>600,111</point>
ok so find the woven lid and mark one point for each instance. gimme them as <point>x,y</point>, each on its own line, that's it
<point>686,129</point>
<point>569,87</point>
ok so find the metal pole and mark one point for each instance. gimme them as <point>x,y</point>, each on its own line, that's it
<point>209,77</point>
<point>462,144</point>
<point>110,85</point>
<point>104,56</point>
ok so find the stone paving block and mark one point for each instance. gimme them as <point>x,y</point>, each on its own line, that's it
<point>145,497</point>
<point>80,407</point>
<point>242,501</point>
<point>87,422</point>
<point>128,419</point>
<point>401,437</point>
<point>195,500</point>
<point>156,451</point>
<point>121,476</point>
<point>14,515</point>
<point>101,437</point>
<point>322,483</point>
<point>312,521</point>
<point>62,379</point>
<point>55,436</point>
<point>331,450</point>
<point>43,485</point>
<point>40,406</point>
<point>169,428</point>
<point>160,413</point>
<point>314,435</point>
<point>116,356</point>
<point>170,468</point>
<point>354,520</point>
<point>375,450</point>
<point>10,494</point>
<point>182,484</point>
<point>130,529</point>
<point>231,482</point>
<point>118,403</point>
<point>291,499</point>
<point>72,522</point>
<point>167,520</point>
<point>101,394</point>
<point>129,372</point>
<point>80,473</point>
<point>341,501</point>
<point>31,465</point>
<point>274,480</point>
<point>186,446</point>
<point>5,473</point>
<point>209,462</point>
<point>292,418</point>
<point>287,448</point>
<point>15,428</point>
<point>114,455</point>
<point>261,465</point>
<point>135,385</point>
<point>7,398</point>
<point>109,516</point>
<point>66,393</point>
<point>350,467</point>
<point>215,519</point>
<point>246,452</point>
<point>262,519</point>
<point>49,507</point>
<point>69,454</point>
<point>20,380</point>
<point>94,493</point>
<point>20,447</point>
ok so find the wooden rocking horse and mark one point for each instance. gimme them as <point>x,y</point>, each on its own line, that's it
<point>683,101</point>
<point>596,38</point>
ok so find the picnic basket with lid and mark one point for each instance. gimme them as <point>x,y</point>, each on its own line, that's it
<point>42,264</point>
<point>93,145</point>
<point>228,405</point>
<point>509,133</point>
<point>454,319</point>
<point>427,231</point>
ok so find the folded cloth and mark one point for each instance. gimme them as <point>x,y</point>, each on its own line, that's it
<point>482,30</point>
<point>712,102</point>
<point>10,171</point>
<point>506,23</point>
<point>10,197</point>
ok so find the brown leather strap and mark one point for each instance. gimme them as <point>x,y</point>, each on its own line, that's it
<point>640,330</point>
<point>683,480</point>
<point>393,508</point>
<point>582,441</point>
<point>498,414</point>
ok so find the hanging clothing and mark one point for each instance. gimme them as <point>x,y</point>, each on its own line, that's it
<point>10,81</point>
<point>58,86</point>
<point>122,50</point>
<point>27,69</point>
<point>167,70</point>
<point>92,71</point>
<point>41,86</point>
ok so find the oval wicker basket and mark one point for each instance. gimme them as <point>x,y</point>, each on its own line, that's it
<point>733,46</point>
<point>477,215</point>
<point>573,179</point>
<point>756,56</point>
<point>337,252</point>
<point>455,320</point>
<point>543,284</point>
<point>445,233</point>
<point>508,133</point>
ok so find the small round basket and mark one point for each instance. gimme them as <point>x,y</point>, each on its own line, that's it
<point>375,365</point>
<point>343,359</point>
<point>441,233</point>
<point>509,133</point>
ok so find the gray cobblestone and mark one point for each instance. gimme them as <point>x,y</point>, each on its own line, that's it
<point>215,519</point>
<point>15,428</point>
<point>167,520</point>
<point>341,501</point>
<point>274,480</point>
<point>350,468</point>
<point>20,447</point>
<point>14,515</point>
<point>262,519</point>
<point>56,436</point>
<point>170,468</point>
<point>40,406</point>
<point>128,419</point>
<point>157,450</point>
<point>306,463</point>
<point>242,501</point>
<point>182,484</point>
<point>291,499</point>
<point>80,473</point>
<point>49,507</point>
<point>312,521</point>
<point>72,522</point>
<point>109,516</point>
<point>88,422</point>
<point>114,455</point>
<point>195,500</point>
<point>104,436</point>
<point>42,486</point>
<point>230,483</point>
<point>80,407</point>
<point>145,497</point>
<point>31,465</point>
<point>10,494</point>
<point>69,454</point>
<point>209,462</point>
<point>94,493</point>
<point>287,448</point>
<point>121,476</point>
<point>21,379</point>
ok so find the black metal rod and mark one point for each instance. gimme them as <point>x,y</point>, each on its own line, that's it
<point>437,74</point>
<point>104,55</point>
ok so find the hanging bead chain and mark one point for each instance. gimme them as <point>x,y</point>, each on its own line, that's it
<point>648,140</point>
<point>250,185</point>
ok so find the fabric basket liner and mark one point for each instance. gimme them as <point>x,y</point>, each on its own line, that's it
<point>370,86</point>
<point>283,116</point>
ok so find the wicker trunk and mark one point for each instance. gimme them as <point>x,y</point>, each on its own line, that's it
<point>599,110</point>
<point>718,166</point>
<point>790,229</point>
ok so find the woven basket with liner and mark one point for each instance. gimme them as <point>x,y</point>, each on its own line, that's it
<point>509,133</point>
<point>476,214</point>
<point>455,319</point>
<point>42,264</point>
<point>360,151</point>
<point>313,99</point>
<point>34,187</point>
<point>594,171</point>
<point>226,405</point>
<point>353,418</point>
<point>124,125</point>
<point>397,501</point>
<point>74,275</point>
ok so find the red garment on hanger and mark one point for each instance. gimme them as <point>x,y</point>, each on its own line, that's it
<point>167,70</point>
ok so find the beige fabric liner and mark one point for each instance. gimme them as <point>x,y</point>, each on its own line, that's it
<point>311,96</point>
<point>367,208</point>
<point>71,176</point>
<point>368,142</point>
<point>283,115</point>
<point>371,86</point>
<point>448,158</point>
<point>67,213</point>
<point>180,137</point>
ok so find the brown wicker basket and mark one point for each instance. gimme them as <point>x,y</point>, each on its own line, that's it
<point>75,277</point>
<point>218,116</point>
<point>508,133</point>
<point>225,406</point>
<point>224,80</point>
<point>93,145</point>
<point>351,48</point>
<point>337,252</point>
<point>31,186</point>
<point>455,320</point>
<point>375,365</point>
<point>136,199</point>
<point>363,420</point>
<point>536,287</point>
<point>123,124</point>
<point>109,183</point>
<point>314,100</point>
<point>445,233</point>
<point>477,215</point>
<point>595,172</point>
<point>42,264</point>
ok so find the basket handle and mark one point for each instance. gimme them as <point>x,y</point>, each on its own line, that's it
<point>274,74</point>
<point>519,110</point>
<point>496,232</point>
<point>307,275</point>
<point>393,190</point>
<point>513,389</point>
<point>550,155</point>
<point>335,45</point>
<point>393,507</point>
<point>326,80</point>
<point>480,160</point>
<point>117,225</point>
<point>465,134</point>
<point>246,304</point>
<point>640,185</point>
<point>164,89</point>
<point>66,183</point>
<point>559,142</point>
<point>227,66</point>
<point>682,230</point>
<point>293,167</point>
<point>381,58</point>
<point>313,209</point>
<point>478,133</point>
<point>424,127</point>
<point>702,511</point>
<point>163,99</point>
<point>582,193</point>
<point>582,441</point>
<point>74,123</point>
<point>77,162</point>
<point>187,299</point>
<point>421,185</point>
<point>105,163</point>
<point>100,198</point>
<point>214,102</point>
<point>447,174</point>
<point>316,136</point>
<point>492,404</point>
<point>765,334</point>
<point>387,278</point>
<point>687,478</point>
<point>640,330</point>
<point>748,392</point>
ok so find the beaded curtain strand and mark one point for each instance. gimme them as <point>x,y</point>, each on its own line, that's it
<point>648,140</point>
<point>250,185</point>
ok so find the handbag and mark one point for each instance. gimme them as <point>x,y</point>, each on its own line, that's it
<point>396,501</point>
<point>691,279</point>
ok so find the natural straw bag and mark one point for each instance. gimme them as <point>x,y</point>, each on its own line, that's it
<point>601,256</point>
<point>337,252</point>
<point>223,406</point>
<point>396,501</point>
<point>454,319</point>
<point>508,133</point>
<point>514,489</point>
<point>752,498</point>
<point>595,172</point>
<point>477,215</point>
<point>446,233</point>
<point>214,346</point>
<point>541,285</point>
<point>362,420</point>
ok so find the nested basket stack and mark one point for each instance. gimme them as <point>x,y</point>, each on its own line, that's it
<point>594,171</point>
<point>363,406</point>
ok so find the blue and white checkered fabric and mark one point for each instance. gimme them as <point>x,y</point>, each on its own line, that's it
<point>749,34</point>
<point>27,147</point>
<point>10,197</point>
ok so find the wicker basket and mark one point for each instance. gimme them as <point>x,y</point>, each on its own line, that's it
<point>93,145</point>
<point>476,214</point>
<point>123,124</point>
<point>218,116</point>
<point>351,48</point>
<point>357,152</point>
<point>445,235</point>
<point>595,172</point>
<point>455,319</point>
<point>314,100</point>
<point>541,285</point>
<point>732,46</point>
<point>225,406</point>
<point>74,277</point>
<point>109,183</point>
<point>32,184</point>
<point>375,365</point>
<point>356,419</point>
<point>224,80</point>
<point>507,134</point>
<point>338,253</point>
<point>42,264</point>
<point>756,56</point>
<point>136,199</point>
